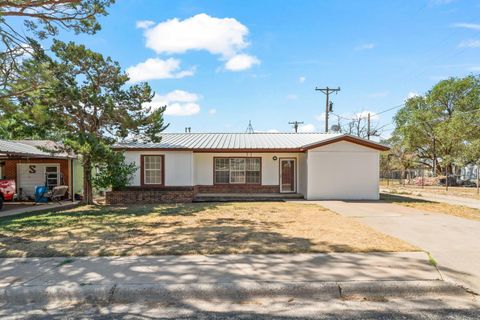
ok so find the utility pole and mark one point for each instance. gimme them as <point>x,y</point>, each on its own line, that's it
<point>368,127</point>
<point>327,92</point>
<point>295,125</point>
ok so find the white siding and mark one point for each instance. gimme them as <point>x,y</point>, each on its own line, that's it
<point>178,166</point>
<point>203,167</point>
<point>340,170</point>
<point>343,170</point>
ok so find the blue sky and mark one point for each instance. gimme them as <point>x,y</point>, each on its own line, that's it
<point>223,63</point>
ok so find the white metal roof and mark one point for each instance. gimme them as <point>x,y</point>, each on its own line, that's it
<point>242,141</point>
<point>32,148</point>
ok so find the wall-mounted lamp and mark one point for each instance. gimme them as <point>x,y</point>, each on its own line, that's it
<point>274,158</point>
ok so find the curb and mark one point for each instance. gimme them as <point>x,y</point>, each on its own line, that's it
<point>172,293</point>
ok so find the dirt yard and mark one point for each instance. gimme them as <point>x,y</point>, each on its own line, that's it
<point>269,227</point>
<point>416,190</point>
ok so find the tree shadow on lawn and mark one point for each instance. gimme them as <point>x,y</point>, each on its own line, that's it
<point>105,231</point>
<point>222,236</point>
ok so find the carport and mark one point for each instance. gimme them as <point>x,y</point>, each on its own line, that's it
<point>36,162</point>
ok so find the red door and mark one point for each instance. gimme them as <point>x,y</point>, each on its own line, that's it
<point>287,175</point>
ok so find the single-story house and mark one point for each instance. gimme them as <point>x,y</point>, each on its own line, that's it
<point>314,165</point>
<point>34,163</point>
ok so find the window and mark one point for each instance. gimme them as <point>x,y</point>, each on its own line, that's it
<point>52,176</point>
<point>152,170</point>
<point>237,170</point>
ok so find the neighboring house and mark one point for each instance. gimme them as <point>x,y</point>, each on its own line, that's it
<point>34,163</point>
<point>469,172</point>
<point>315,165</point>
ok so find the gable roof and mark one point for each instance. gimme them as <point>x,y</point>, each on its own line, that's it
<point>210,142</point>
<point>32,148</point>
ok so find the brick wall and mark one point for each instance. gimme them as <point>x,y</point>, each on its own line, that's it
<point>10,167</point>
<point>140,196</point>
<point>238,188</point>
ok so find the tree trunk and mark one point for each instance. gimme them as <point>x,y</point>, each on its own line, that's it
<point>87,181</point>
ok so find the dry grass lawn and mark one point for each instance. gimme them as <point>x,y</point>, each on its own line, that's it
<point>271,227</point>
<point>463,192</point>
<point>444,208</point>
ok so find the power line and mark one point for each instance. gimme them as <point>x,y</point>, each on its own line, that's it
<point>372,114</point>
<point>389,109</point>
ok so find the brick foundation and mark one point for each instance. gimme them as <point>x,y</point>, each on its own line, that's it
<point>140,196</point>
<point>237,188</point>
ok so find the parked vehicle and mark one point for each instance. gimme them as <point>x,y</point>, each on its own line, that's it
<point>469,183</point>
<point>7,191</point>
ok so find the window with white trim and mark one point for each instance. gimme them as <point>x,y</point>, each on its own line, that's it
<point>152,169</point>
<point>237,170</point>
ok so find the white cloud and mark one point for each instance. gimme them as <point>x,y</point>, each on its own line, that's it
<point>320,117</point>
<point>268,131</point>
<point>364,114</point>
<point>200,32</point>
<point>365,46</point>
<point>378,95</point>
<point>471,43</point>
<point>225,37</point>
<point>307,128</point>
<point>182,109</point>
<point>156,68</point>
<point>412,94</point>
<point>302,79</point>
<point>241,62</point>
<point>144,24</point>
<point>178,102</point>
<point>474,69</point>
<point>471,26</point>
<point>212,111</point>
<point>292,97</point>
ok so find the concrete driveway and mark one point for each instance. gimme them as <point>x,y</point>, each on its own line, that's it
<point>453,242</point>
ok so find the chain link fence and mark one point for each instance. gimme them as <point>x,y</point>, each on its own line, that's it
<point>424,178</point>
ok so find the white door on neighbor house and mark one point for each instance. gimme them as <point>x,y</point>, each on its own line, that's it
<point>30,175</point>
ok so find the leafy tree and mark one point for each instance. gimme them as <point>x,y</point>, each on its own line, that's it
<point>114,173</point>
<point>438,127</point>
<point>84,100</point>
<point>397,158</point>
<point>41,19</point>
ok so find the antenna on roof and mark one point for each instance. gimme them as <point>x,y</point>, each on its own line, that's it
<point>250,127</point>
<point>188,129</point>
<point>295,125</point>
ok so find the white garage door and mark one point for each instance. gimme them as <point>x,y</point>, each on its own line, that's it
<point>30,175</point>
<point>343,170</point>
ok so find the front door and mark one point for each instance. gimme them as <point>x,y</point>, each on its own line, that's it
<point>287,176</point>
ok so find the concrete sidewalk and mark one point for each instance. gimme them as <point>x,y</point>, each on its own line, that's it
<point>166,278</point>
<point>15,208</point>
